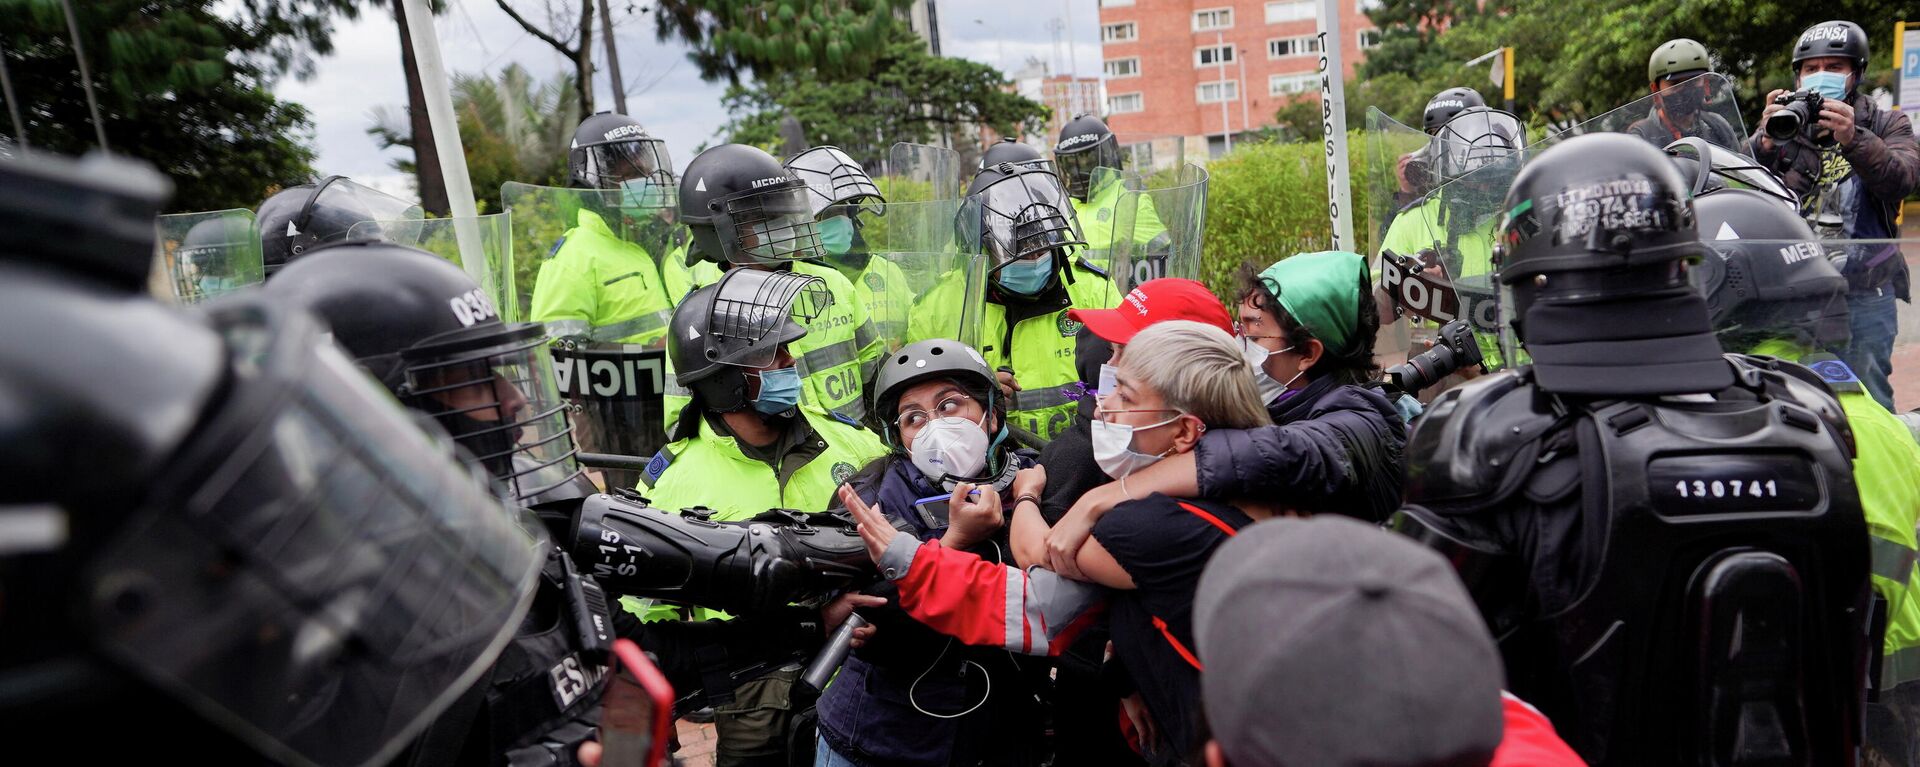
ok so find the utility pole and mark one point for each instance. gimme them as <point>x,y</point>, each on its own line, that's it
<point>432,185</point>
<point>613,60</point>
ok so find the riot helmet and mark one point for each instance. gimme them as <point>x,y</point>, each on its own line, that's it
<point>1021,217</point>
<point>1085,144</point>
<point>840,192</point>
<point>1834,38</point>
<point>297,218</point>
<point>1771,280</point>
<point>272,559</point>
<point>212,253</point>
<point>723,332</point>
<point>613,151</point>
<point>745,209</point>
<point>1476,138</point>
<point>1445,104</point>
<point>1009,150</point>
<point>420,326</point>
<point>926,360</point>
<point>1592,258</point>
<point>1709,167</point>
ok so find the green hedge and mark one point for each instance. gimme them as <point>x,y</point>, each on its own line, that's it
<point>1269,200</point>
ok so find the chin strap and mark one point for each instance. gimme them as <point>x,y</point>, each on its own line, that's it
<point>1001,479</point>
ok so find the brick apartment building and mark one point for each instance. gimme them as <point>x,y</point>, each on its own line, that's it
<point>1171,65</point>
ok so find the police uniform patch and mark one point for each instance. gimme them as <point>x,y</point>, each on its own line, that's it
<point>1068,326</point>
<point>875,281</point>
<point>842,471</point>
<point>846,419</point>
<point>1103,214</point>
<point>1836,374</point>
<point>658,466</point>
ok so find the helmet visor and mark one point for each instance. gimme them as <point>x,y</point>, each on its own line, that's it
<point>833,178</point>
<point>1022,216</point>
<point>1727,168</point>
<point>769,225</point>
<point>496,395</point>
<point>339,203</point>
<point>1474,139</point>
<point>1077,166</point>
<point>754,312</point>
<point>640,167</point>
<point>315,577</point>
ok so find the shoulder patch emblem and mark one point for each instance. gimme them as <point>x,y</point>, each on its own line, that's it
<point>1834,372</point>
<point>556,246</point>
<point>1069,327</point>
<point>658,466</point>
<point>842,471</point>
<point>1103,214</point>
<point>875,281</point>
<point>845,419</point>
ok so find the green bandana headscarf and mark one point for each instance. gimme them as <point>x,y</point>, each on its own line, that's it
<point>1321,291</point>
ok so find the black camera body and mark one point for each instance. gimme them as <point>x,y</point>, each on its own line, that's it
<point>1801,113</point>
<point>1454,347</point>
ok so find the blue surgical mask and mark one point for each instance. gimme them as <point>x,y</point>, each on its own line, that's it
<point>1027,277</point>
<point>642,194</point>
<point>836,235</point>
<point>1831,85</point>
<point>779,391</point>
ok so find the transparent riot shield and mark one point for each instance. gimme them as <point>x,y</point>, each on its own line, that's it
<point>919,173</point>
<point>594,266</point>
<point>1158,160</point>
<point>1395,169</point>
<point>1159,232</point>
<point>916,282</point>
<point>492,237</point>
<point>209,254</point>
<point>1705,107</point>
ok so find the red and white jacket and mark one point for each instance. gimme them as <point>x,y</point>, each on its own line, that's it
<point>1038,611</point>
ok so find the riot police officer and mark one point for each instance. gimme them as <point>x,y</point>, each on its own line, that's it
<point>1086,145</point>
<point>1415,169</point>
<point>844,199</point>
<point>1667,541</point>
<point>332,209</point>
<point>1019,216</point>
<point>602,285</point>
<point>745,210</point>
<point>270,563</point>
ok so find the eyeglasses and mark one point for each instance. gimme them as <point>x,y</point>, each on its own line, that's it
<point>1240,330</point>
<point>916,418</point>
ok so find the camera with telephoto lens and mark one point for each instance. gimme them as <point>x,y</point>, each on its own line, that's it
<point>1453,348</point>
<point>1801,112</point>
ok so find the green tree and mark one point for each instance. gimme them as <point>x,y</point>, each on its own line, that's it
<point>512,127</point>
<point>909,96</point>
<point>839,39</point>
<point>180,85</point>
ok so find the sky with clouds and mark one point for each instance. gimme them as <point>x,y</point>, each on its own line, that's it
<point>665,92</point>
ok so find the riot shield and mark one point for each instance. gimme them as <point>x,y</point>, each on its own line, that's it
<point>919,173</point>
<point>1705,107</point>
<point>904,256</point>
<point>1395,171</point>
<point>1160,232</point>
<point>606,303</point>
<point>492,238</point>
<point>209,254</point>
<point>1160,160</point>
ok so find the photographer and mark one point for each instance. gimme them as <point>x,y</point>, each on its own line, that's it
<point>1851,163</point>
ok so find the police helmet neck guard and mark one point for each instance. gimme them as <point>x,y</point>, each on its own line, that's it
<point>834,179</point>
<point>1445,104</point>
<point>1085,143</point>
<point>420,326</point>
<point>1592,254</point>
<point>300,218</point>
<point>1017,213</point>
<point>744,208</point>
<point>612,151</point>
<point>1769,278</point>
<point>739,324</point>
<point>936,359</point>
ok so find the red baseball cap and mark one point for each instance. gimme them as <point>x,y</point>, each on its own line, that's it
<point>1167,298</point>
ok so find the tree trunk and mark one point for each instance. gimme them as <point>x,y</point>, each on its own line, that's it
<point>426,158</point>
<point>583,59</point>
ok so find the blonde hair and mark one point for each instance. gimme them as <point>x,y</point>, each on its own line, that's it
<point>1197,369</point>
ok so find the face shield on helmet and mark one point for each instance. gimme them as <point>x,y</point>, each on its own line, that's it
<point>1077,163</point>
<point>639,167</point>
<point>754,313</point>
<point>312,574</point>
<point>768,224</point>
<point>1712,167</point>
<point>338,203</point>
<point>1023,216</point>
<point>1475,139</point>
<point>834,180</point>
<point>492,387</point>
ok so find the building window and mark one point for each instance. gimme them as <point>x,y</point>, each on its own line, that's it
<point>1119,33</point>
<point>1218,91</point>
<point>1292,10</point>
<point>1283,85</point>
<point>1212,19</point>
<point>1283,47</point>
<point>1127,67</point>
<point>1125,3</point>
<point>1213,55</point>
<point>1123,103</point>
<point>1369,38</point>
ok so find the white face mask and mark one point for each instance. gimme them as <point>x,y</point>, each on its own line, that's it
<point>1109,379</point>
<point>950,447</point>
<point>1113,448</point>
<point>1270,389</point>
